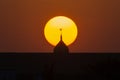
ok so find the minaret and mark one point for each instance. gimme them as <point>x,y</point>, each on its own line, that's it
<point>61,47</point>
<point>60,55</point>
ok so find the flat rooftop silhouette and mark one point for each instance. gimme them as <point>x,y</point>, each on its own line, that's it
<point>72,65</point>
<point>34,62</point>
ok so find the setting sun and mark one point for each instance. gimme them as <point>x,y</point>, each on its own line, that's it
<point>52,30</point>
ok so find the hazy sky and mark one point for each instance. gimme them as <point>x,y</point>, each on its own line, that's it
<point>22,23</point>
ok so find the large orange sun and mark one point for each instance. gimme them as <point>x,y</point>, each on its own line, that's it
<point>52,30</point>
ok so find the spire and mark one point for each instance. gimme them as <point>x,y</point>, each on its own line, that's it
<point>61,34</point>
<point>61,46</point>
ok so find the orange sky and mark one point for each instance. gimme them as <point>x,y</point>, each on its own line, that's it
<point>22,23</point>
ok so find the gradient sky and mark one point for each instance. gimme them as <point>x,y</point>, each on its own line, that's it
<point>22,23</point>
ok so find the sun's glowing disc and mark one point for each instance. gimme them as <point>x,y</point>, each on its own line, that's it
<point>52,30</point>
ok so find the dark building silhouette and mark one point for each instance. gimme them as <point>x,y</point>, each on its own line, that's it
<point>59,55</point>
<point>59,65</point>
<point>61,48</point>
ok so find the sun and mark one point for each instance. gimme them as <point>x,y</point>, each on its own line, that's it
<point>52,30</point>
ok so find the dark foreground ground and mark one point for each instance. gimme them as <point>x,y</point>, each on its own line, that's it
<point>74,66</point>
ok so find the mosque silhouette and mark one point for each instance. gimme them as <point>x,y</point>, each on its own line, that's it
<point>59,65</point>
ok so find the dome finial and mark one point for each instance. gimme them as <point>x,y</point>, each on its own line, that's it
<point>61,34</point>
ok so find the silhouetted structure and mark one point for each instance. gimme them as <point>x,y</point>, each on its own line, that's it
<point>60,52</point>
<point>60,65</point>
<point>61,48</point>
